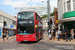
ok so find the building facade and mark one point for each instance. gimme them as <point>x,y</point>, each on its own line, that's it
<point>56,18</point>
<point>10,27</point>
<point>66,14</point>
<point>45,22</point>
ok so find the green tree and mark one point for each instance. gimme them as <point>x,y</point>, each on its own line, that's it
<point>44,16</point>
<point>52,14</point>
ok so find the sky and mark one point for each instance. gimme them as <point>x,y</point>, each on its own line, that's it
<point>9,6</point>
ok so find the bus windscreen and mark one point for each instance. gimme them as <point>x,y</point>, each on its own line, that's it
<point>26,15</point>
<point>22,30</point>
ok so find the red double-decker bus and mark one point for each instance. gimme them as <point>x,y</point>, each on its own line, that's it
<point>28,26</point>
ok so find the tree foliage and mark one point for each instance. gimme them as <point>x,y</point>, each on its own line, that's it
<point>52,14</point>
<point>44,16</point>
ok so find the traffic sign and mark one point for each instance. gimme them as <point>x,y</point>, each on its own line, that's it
<point>57,21</point>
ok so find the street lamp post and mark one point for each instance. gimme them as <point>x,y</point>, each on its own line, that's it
<point>48,13</point>
<point>48,6</point>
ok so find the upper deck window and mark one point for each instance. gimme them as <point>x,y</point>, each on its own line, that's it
<point>26,15</point>
<point>38,18</point>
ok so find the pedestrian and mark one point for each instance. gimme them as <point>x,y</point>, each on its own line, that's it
<point>53,33</point>
<point>72,33</point>
<point>64,32</point>
<point>67,34</point>
<point>3,36</point>
<point>7,36</point>
<point>58,35</point>
<point>49,34</point>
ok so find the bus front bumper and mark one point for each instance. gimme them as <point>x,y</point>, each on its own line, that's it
<point>26,39</point>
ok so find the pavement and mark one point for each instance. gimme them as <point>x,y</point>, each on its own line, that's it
<point>56,40</point>
<point>61,41</point>
<point>5,39</point>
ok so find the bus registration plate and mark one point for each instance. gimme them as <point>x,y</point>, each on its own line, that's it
<point>25,40</point>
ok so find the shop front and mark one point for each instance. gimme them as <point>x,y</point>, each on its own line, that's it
<point>68,20</point>
<point>7,30</point>
<point>69,24</point>
<point>11,31</point>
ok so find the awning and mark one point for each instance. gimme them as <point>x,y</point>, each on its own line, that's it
<point>67,20</point>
